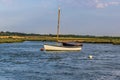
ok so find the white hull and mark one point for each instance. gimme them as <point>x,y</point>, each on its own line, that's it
<point>61,48</point>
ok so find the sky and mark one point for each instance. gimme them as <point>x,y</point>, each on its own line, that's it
<point>79,17</point>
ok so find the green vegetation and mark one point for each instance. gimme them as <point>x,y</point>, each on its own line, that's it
<point>10,40</point>
<point>9,37</point>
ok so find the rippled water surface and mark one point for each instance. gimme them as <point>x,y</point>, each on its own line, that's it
<point>25,61</point>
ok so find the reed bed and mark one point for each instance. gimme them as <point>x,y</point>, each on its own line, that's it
<point>10,40</point>
<point>61,39</point>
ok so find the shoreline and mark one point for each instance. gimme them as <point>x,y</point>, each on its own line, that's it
<point>13,39</point>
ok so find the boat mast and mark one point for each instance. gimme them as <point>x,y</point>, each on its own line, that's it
<point>58,26</point>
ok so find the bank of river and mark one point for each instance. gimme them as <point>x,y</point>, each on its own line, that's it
<point>44,38</point>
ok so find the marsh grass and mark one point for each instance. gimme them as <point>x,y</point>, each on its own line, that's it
<point>10,40</point>
<point>61,39</point>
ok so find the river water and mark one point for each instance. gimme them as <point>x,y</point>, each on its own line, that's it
<point>25,61</point>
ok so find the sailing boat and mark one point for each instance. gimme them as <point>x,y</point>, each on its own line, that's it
<point>65,46</point>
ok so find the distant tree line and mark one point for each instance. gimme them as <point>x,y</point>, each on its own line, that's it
<point>7,33</point>
<point>83,36</point>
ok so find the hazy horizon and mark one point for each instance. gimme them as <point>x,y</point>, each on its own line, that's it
<point>79,17</point>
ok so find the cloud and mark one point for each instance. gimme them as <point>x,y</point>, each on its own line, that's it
<point>74,3</point>
<point>114,3</point>
<point>103,4</point>
<point>91,3</point>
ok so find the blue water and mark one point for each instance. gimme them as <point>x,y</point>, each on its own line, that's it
<point>25,61</point>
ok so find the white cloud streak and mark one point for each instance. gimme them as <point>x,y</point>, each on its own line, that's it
<point>101,4</point>
<point>92,3</point>
<point>78,3</point>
